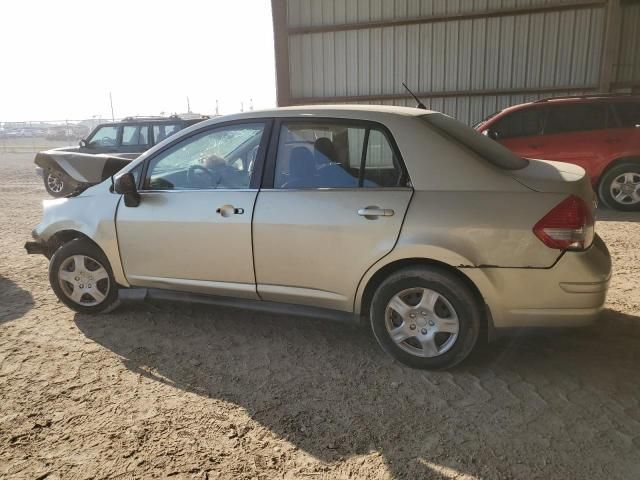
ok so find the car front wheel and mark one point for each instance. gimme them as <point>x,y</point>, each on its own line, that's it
<point>425,318</point>
<point>57,183</point>
<point>620,187</point>
<point>81,277</point>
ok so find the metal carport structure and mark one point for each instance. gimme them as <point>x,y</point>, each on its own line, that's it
<point>467,58</point>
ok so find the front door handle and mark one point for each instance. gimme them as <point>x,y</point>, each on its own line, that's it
<point>372,213</point>
<point>228,210</point>
<point>613,140</point>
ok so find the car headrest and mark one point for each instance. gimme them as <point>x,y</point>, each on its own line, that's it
<point>301,163</point>
<point>324,151</point>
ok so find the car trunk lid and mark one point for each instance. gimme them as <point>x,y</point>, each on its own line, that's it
<point>555,177</point>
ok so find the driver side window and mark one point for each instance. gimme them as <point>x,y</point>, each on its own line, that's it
<point>222,158</point>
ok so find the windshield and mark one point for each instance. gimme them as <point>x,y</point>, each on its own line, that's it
<point>488,149</point>
<point>488,117</point>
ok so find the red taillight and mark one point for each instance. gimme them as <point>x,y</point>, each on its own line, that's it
<point>569,226</point>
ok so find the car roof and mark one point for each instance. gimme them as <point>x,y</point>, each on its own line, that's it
<point>323,109</point>
<point>604,98</point>
<point>172,119</point>
<point>357,112</point>
<point>393,109</point>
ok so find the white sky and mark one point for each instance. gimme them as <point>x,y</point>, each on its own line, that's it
<point>61,58</point>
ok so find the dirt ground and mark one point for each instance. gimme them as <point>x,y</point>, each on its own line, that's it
<point>175,390</point>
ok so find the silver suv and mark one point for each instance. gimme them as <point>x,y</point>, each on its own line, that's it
<point>403,218</point>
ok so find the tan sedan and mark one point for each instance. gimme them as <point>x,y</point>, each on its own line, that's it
<point>403,218</point>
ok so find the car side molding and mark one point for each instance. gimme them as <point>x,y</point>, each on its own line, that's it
<point>137,294</point>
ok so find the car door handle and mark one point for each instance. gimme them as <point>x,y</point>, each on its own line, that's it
<point>228,210</point>
<point>534,146</point>
<point>613,140</point>
<point>374,212</point>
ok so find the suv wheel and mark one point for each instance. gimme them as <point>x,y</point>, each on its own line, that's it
<point>425,318</point>
<point>57,183</point>
<point>620,187</point>
<point>81,277</point>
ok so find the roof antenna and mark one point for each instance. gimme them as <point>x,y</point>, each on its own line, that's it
<point>419,103</point>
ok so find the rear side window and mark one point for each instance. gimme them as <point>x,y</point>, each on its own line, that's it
<point>578,117</point>
<point>135,135</point>
<point>481,145</point>
<point>335,155</point>
<point>521,123</point>
<point>160,132</point>
<point>628,114</point>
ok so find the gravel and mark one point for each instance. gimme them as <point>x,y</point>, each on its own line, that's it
<point>164,389</point>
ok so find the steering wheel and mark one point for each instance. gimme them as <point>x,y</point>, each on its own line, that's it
<point>107,141</point>
<point>194,180</point>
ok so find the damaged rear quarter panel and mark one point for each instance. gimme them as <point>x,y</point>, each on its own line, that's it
<point>473,229</point>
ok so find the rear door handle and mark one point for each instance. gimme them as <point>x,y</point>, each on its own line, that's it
<point>228,210</point>
<point>374,212</point>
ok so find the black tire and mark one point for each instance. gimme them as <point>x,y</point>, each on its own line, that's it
<point>445,285</point>
<point>57,183</point>
<point>62,261</point>
<point>608,179</point>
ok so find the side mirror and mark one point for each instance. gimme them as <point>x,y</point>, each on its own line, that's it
<point>492,134</point>
<point>82,143</point>
<point>126,185</point>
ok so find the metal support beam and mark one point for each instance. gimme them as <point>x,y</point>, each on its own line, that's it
<point>281,46</point>
<point>495,12</point>
<point>447,94</point>
<point>611,46</point>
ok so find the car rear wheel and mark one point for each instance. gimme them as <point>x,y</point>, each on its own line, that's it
<point>425,318</point>
<point>620,187</point>
<point>81,277</point>
<point>57,183</point>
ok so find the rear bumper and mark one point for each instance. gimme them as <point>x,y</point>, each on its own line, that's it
<point>569,294</point>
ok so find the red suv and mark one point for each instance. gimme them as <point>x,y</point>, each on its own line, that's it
<point>599,133</point>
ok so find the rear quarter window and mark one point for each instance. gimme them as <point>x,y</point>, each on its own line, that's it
<point>577,117</point>
<point>628,114</point>
<point>488,149</point>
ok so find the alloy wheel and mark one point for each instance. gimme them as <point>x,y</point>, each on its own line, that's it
<point>422,322</point>
<point>55,182</point>
<point>84,280</point>
<point>625,188</point>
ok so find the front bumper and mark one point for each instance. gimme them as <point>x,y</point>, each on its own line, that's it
<point>37,246</point>
<point>569,294</point>
<point>40,172</point>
